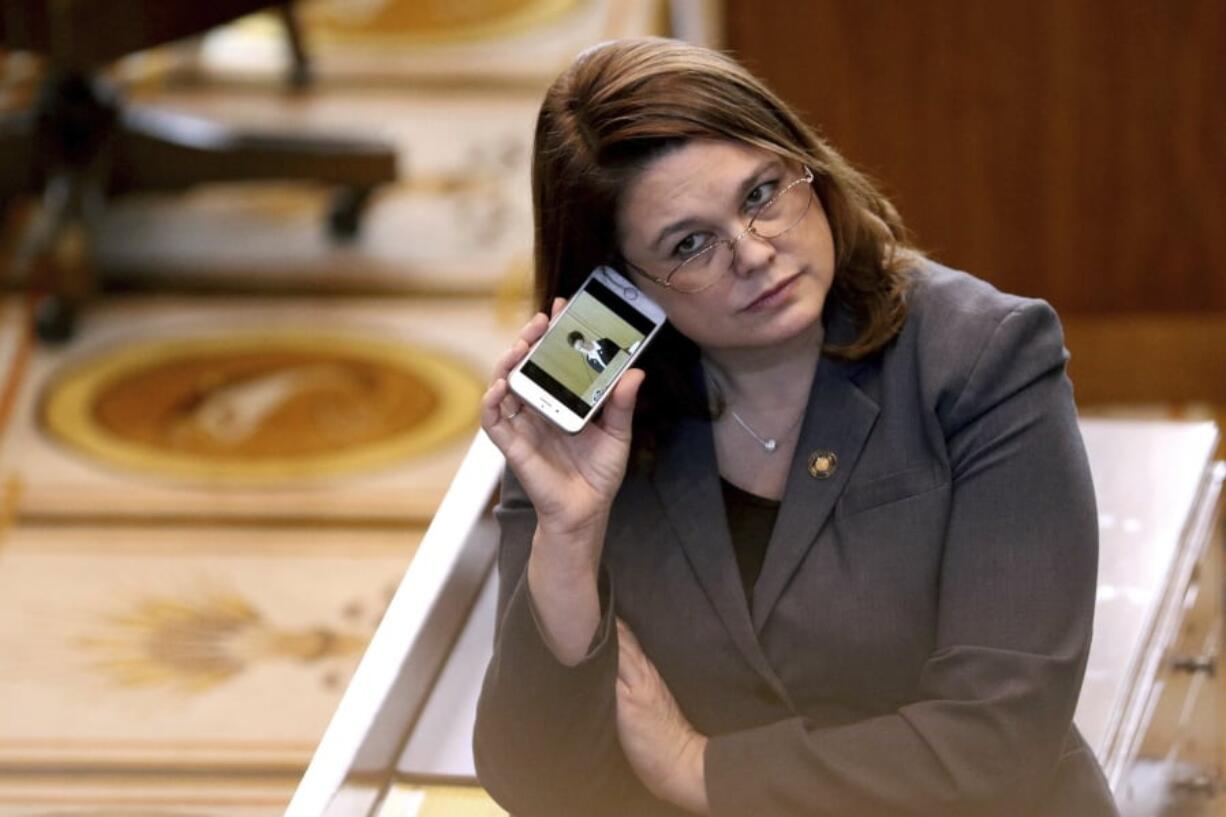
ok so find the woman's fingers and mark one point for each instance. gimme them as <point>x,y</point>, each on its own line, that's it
<point>528,335</point>
<point>631,662</point>
<point>628,669</point>
<point>534,328</point>
<point>510,406</point>
<point>498,408</point>
<point>491,404</point>
<point>510,359</point>
<point>618,418</point>
<point>627,635</point>
<point>499,403</point>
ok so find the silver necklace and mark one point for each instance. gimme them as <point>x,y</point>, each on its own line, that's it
<point>769,444</point>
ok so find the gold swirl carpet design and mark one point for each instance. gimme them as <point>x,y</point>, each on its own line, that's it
<point>196,642</point>
<point>261,408</point>
<point>430,20</point>
<point>166,648</point>
<point>475,43</point>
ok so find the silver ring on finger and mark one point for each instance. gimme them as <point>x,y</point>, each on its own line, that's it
<point>513,414</point>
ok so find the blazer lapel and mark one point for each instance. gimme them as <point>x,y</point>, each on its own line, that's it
<point>838,419</point>
<point>686,478</point>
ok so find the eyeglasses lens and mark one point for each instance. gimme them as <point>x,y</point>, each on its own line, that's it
<point>772,220</point>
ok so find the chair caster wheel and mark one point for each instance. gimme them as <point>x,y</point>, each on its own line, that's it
<point>345,214</point>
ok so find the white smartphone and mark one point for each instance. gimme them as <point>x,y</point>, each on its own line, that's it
<point>570,371</point>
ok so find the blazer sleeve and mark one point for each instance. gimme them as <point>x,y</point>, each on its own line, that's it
<point>545,741</point>
<point>1015,607</point>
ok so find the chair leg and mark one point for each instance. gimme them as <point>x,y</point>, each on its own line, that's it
<point>345,213</point>
<point>55,318</point>
<point>56,247</point>
<point>60,147</point>
<point>300,75</point>
<point>19,167</point>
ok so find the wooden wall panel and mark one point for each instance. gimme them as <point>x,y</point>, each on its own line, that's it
<point>1069,149</point>
<point>1137,358</point>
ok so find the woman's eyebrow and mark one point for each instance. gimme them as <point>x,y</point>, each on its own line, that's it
<point>748,184</point>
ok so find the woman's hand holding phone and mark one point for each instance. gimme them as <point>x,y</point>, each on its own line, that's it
<point>571,480</point>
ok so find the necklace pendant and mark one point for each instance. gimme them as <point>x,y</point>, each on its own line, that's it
<point>769,444</point>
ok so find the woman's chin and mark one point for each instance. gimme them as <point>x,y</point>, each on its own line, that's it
<point>798,318</point>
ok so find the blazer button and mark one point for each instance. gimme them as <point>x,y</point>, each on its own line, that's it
<point>823,464</point>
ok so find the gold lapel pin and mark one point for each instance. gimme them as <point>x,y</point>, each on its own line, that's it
<point>823,464</point>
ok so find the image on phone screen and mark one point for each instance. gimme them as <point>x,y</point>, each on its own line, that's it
<point>588,347</point>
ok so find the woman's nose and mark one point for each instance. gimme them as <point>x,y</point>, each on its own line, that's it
<point>751,253</point>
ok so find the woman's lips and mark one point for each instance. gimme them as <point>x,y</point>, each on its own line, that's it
<point>772,295</point>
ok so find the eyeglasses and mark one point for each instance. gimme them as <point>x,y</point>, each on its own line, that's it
<point>704,264</point>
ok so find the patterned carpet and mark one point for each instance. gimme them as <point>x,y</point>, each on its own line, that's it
<point>207,506</point>
<point>208,496</point>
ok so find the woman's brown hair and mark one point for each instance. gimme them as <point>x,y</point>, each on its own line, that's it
<point>621,105</point>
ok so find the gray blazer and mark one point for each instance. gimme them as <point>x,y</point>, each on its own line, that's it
<point>920,626</point>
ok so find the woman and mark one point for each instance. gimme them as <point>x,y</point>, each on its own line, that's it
<point>833,551</point>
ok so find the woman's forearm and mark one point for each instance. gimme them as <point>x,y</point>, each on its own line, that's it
<point>562,582</point>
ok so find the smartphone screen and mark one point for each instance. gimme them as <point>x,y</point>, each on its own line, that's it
<point>591,343</point>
